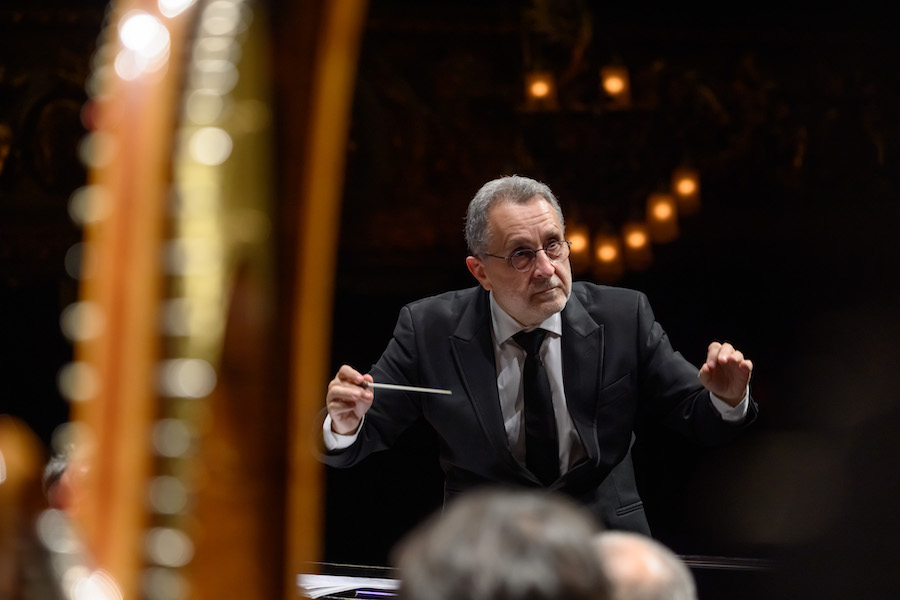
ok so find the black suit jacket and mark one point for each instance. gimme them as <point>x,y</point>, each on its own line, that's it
<point>618,368</point>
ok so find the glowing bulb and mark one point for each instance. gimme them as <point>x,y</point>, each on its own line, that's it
<point>614,85</point>
<point>579,242</point>
<point>686,186</point>
<point>662,211</point>
<point>636,239</point>
<point>540,89</point>
<point>607,253</point>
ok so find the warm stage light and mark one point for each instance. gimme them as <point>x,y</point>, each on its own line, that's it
<point>686,186</point>
<point>663,211</point>
<point>636,239</point>
<point>580,255</point>
<point>638,253</point>
<point>539,89</point>
<point>660,208</point>
<point>608,266</point>
<point>579,242</point>
<point>607,252</point>
<point>613,85</point>
<point>662,217</point>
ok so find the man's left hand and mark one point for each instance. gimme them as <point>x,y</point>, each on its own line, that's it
<point>726,373</point>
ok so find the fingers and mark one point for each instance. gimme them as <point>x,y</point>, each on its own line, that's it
<point>726,354</point>
<point>348,374</point>
<point>726,373</point>
<point>347,399</point>
<point>349,385</point>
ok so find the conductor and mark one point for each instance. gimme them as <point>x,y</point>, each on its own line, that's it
<point>547,378</point>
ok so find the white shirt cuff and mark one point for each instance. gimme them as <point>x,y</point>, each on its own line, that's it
<point>730,414</point>
<point>337,441</point>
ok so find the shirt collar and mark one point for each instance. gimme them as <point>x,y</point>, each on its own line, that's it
<point>505,326</point>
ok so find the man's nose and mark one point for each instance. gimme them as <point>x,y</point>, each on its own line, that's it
<point>543,266</point>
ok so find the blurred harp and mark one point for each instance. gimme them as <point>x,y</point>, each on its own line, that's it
<point>205,290</point>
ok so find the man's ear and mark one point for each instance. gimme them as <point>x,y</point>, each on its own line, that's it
<point>476,268</point>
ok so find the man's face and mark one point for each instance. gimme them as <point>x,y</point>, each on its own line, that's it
<point>533,296</point>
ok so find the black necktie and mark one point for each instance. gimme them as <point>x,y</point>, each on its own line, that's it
<point>541,440</point>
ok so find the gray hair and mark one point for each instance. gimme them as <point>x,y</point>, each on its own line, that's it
<point>513,189</point>
<point>640,568</point>
<point>503,545</point>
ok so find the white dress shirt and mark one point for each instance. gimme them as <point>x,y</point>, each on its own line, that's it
<point>510,361</point>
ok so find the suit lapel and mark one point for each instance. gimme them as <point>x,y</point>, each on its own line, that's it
<point>473,351</point>
<point>582,362</point>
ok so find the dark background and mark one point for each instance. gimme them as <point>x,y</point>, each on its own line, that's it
<point>45,52</point>
<point>791,120</point>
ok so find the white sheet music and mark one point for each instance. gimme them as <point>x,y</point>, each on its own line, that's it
<point>316,586</point>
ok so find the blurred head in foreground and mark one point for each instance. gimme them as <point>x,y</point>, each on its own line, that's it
<point>503,545</point>
<point>640,568</point>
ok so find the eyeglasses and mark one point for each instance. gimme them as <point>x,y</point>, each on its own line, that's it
<point>523,260</point>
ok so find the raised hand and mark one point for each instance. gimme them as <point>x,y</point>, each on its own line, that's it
<point>726,373</point>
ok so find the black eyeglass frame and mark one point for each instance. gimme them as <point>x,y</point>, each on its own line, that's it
<point>533,260</point>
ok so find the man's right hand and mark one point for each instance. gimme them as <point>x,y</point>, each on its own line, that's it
<point>348,400</point>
